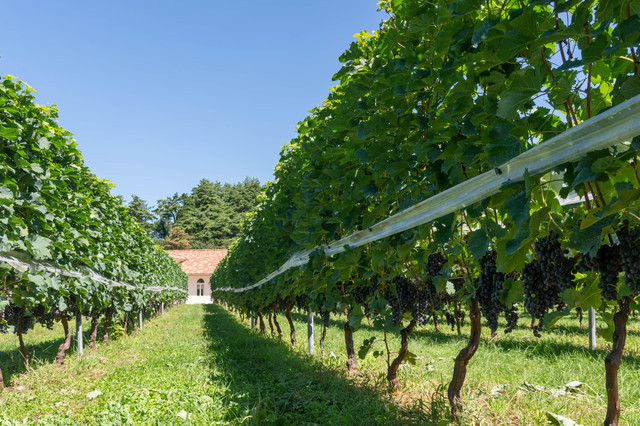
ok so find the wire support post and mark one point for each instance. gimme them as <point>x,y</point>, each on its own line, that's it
<point>310,331</point>
<point>592,328</point>
<point>79,335</point>
<point>322,326</point>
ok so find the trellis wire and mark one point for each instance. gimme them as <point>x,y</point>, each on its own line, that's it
<point>23,263</point>
<point>617,125</point>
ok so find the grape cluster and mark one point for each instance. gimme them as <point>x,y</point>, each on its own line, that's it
<point>4,295</point>
<point>16,317</point>
<point>579,314</point>
<point>46,319</point>
<point>435,262</point>
<point>557,268</point>
<point>458,283</point>
<point>607,261</point>
<point>302,302</point>
<point>511,316</point>
<point>435,300</point>
<point>325,316</point>
<point>438,301</point>
<point>3,319</point>
<point>537,297</point>
<point>489,289</point>
<point>409,297</point>
<point>545,277</point>
<point>451,318</point>
<point>630,256</point>
<point>362,294</point>
<point>417,297</point>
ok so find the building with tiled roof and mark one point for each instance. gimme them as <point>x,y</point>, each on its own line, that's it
<point>198,265</point>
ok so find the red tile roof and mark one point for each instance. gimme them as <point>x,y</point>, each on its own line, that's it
<point>198,262</point>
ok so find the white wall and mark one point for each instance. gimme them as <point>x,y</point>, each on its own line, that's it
<point>193,280</point>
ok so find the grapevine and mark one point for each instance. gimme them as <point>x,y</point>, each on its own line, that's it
<point>441,95</point>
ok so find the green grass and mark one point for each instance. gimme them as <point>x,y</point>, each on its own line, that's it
<point>195,361</point>
<point>559,357</point>
<point>202,364</point>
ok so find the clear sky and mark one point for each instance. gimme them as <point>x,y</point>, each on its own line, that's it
<point>160,94</point>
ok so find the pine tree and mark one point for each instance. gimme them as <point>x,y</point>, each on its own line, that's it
<point>139,209</point>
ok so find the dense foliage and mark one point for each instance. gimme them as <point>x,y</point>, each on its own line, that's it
<point>55,212</point>
<point>210,216</point>
<point>441,93</point>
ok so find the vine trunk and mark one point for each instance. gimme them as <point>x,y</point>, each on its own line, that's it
<point>392,372</point>
<point>94,331</point>
<point>275,321</point>
<point>62,350</point>
<point>135,325</point>
<point>352,359</point>
<point>460,364</point>
<point>287,313</point>
<point>612,363</point>
<point>273,332</point>
<point>107,322</point>
<point>263,329</point>
<point>23,349</point>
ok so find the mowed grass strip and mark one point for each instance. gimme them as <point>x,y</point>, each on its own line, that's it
<point>199,364</point>
<point>514,361</point>
<point>160,373</point>
<point>195,364</point>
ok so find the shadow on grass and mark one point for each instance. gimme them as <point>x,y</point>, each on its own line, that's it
<point>41,353</point>
<point>542,348</point>
<point>278,385</point>
<point>550,350</point>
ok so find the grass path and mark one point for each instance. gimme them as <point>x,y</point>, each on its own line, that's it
<point>198,364</point>
<point>195,363</point>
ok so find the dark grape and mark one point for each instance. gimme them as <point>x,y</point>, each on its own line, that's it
<point>511,316</point>
<point>417,297</point>
<point>362,294</point>
<point>545,277</point>
<point>607,261</point>
<point>4,295</point>
<point>409,297</point>
<point>630,255</point>
<point>489,289</point>
<point>451,319</point>
<point>325,316</point>
<point>538,297</point>
<point>435,262</point>
<point>46,319</point>
<point>435,300</point>
<point>16,317</point>
<point>557,268</point>
<point>302,302</point>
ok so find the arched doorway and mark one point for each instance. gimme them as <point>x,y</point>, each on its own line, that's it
<point>200,287</point>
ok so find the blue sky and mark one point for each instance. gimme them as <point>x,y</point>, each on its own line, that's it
<point>160,94</point>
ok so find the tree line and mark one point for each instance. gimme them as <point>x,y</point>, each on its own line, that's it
<point>209,217</point>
